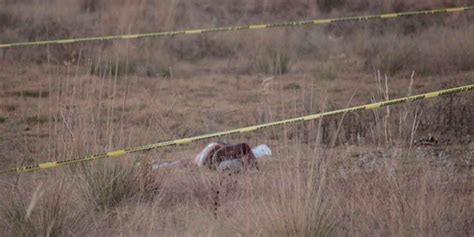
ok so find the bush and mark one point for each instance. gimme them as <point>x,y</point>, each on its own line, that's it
<point>50,212</point>
<point>109,184</point>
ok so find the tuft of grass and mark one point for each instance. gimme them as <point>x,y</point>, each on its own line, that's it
<point>299,207</point>
<point>107,185</point>
<point>272,61</point>
<point>47,212</point>
<point>14,218</point>
<point>119,68</point>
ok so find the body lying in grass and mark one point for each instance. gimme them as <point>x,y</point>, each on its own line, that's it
<point>223,157</point>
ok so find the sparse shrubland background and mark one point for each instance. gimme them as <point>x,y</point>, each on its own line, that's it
<point>358,174</point>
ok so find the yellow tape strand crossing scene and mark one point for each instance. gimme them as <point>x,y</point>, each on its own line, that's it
<point>188,140</point>
<point>240,28</point>
<point>236,118</point>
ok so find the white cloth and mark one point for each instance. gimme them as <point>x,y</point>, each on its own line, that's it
<point>261,151</point>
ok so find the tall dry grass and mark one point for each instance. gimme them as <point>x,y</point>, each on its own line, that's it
<point>315,184</point>
<point>357,174</point>
<point>391,193</point>
<point>254,52</point>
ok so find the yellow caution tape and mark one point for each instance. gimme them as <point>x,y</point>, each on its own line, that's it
<point>239,130</point>
<point>116,153</point>
<point>244,27</point>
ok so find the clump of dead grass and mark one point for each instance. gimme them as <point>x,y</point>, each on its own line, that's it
<point>107,185</point>
<point>49,209</point>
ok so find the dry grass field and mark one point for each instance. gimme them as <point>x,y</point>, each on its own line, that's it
<point>358,174</point>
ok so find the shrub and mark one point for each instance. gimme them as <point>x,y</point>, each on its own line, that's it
<point>106,185</point>
<point>50,212</point>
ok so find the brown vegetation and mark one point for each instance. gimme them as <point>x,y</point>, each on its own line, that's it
<point>355,174</point>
